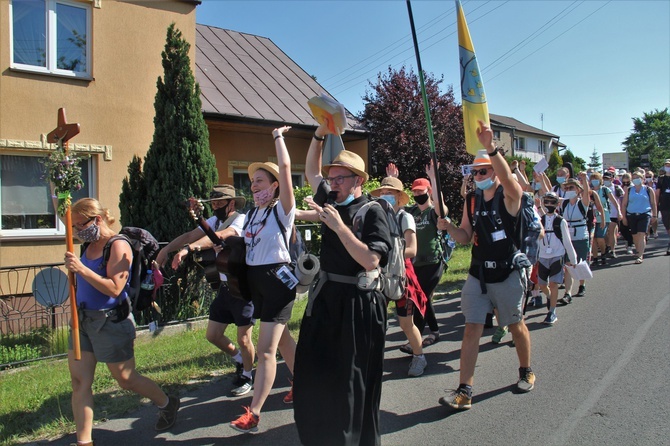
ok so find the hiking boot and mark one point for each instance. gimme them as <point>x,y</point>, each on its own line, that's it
<point>167,416</point>
<point>457,399</point>
<point>566,299</point>
<point>499,334</point>
<point>288,398</point>
<point>417,366</point>
<point>550,319</point>
<point>243,385</point>
<point>526,382</point>
<point>581,291</point>
<point>247,422</point>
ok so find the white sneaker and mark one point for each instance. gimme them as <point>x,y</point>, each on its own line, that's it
<point>629,250</point>
<point>417,366</point>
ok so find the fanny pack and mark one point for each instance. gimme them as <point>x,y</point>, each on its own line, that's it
<point>117,314</point>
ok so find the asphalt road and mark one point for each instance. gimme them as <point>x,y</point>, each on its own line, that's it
<point>602,379</point>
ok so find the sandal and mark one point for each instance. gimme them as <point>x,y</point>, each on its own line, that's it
<point>638,260</point>
<point>430,339</point>
<point>407,348</point>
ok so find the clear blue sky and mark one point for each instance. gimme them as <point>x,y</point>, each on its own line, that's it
<point>587,67</point>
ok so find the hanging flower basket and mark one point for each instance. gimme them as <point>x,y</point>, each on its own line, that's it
<point>64,173</point>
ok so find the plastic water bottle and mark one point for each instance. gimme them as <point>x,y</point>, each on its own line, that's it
<point>148,282</point>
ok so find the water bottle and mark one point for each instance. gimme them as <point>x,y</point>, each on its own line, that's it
<point>148,282</point>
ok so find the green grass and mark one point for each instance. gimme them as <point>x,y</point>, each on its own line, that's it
<point>36,399</point>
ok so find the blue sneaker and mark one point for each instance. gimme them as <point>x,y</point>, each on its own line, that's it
<point>536,301</point>
<point>550,319</point>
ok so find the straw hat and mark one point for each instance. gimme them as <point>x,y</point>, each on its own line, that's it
<point>348,160</point>
<point>482,159</point>
<point>268,166</point>
<point>226,192</point>
<point>394,184</point>
<point>572,182</point>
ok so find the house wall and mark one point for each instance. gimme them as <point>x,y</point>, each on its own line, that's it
<point>115,109</point>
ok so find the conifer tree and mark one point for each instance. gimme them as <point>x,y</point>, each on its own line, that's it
<point>133,193</point>
<point>179,163</point>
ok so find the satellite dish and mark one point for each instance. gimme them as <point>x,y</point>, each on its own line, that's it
<point>50,287</point>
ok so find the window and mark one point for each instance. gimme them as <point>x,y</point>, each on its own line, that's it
<point>519,143</point>
<point>26,204</point>
<point>542,147</point>
<point>51,36</point>
<point>496,134</point>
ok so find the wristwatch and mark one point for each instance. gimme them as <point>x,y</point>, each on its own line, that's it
<point>187,247</point>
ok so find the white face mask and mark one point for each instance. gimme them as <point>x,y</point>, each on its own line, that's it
<point>570,194</point>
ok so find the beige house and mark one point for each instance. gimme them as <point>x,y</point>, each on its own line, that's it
<point>522,139</point>
<point>103,73</point>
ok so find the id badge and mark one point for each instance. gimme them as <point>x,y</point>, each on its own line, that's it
<point>286,276</point>
<point>548,250</point>
<point>499,235</point>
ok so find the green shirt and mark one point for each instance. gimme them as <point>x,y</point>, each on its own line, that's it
<point>428,246</point>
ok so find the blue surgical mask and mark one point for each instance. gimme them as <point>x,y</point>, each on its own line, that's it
<point>389,198</point>
<point>607,183</point>
<point>485,184</point>
<point>537,186</point>
<point>637,181</point>
<point>560,180</point>
<point>570,194</point>
<point>667,169</point>
<point>346,201</point>
<point>595,183</point>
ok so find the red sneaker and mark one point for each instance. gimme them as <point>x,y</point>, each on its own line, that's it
<point>288,399</point>
<point>247,422</point>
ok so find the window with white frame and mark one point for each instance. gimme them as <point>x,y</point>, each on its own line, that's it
<point>541,147</point>
<point>51,36</point>
<point>519,143</point>
<point>26,206</point>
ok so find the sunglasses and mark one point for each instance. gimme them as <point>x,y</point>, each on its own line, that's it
<point>80,226</point>
<point>481,171</point>
<point>625,183</point>
<point>338,180</point>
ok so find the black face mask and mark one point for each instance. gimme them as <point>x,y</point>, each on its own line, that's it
<point>421,199</point>
<point>221,213</point>
<point>550,209</point>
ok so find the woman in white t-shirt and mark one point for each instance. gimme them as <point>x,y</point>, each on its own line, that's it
<point>267,258</point>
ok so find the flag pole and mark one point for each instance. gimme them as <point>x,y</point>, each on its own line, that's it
<point>426,111</point>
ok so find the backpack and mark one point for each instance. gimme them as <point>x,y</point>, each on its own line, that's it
<point>145,249</point>
<point>446,243</point>
<point>393,276</point>
<point>556,227</point>
<point>527,228</point>
<point>296,246</point>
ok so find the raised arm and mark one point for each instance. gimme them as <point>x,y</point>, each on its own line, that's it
<point>315,158</point>
<point>284,163</point>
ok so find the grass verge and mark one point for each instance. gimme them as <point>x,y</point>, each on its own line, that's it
<point>36,399</point>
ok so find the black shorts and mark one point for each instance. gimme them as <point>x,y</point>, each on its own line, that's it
<point>273,301</point>
<point>638,223</point>
<point>404,307</point>
<point>226,309</point>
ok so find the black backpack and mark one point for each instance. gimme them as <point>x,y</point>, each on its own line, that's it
<point>145,249</point>
<point>556,227</point>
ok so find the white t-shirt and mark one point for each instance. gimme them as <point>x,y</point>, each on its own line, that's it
<point>551,246</point>
<point>264,238</point>
<point>217,224</point>
<point>406,221</point>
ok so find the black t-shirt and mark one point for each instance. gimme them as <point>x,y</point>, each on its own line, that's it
<point>334,256</point>
<point>663,185</point>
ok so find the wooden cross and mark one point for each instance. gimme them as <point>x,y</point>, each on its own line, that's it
<point>64,132</point>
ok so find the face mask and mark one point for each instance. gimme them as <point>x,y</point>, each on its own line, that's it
<point>485,184</point>
<point>608,183</point>
<point>537,186</point>
<point>389,198</point>
<point>649,180</point>
<point>570,194</point>
<point>637,181</point>
<point>595,183</point>
<point>221,213</point>
<point>263,197</point>
<point>560,180</point>
<point>90,234</point>
<point>667,169</point>
<point>550,209</point>
<point>421,199</point>
<point>346,201</point>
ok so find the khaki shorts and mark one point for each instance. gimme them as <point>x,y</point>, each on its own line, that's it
<point>108,341</point>
<point>506,296</point>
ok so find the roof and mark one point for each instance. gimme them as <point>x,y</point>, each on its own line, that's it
<point>244,77</point>
<point>518,125</point>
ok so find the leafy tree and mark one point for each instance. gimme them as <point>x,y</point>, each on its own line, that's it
<point>395,117</point>
<point>651,137</point>
<point>594,162</point>
<point>578,164</point>
<point>133,193</point>
<point>555,161</point>
<point>179,163</point>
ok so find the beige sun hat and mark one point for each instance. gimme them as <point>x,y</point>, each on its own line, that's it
<point>348,160</point>
<point>394,184</point>
<point>267,166</point>
<point>226,192</point>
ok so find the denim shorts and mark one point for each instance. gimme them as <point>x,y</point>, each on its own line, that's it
<point>506,296</point>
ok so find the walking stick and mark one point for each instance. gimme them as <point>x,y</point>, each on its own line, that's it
<point>61,135</point>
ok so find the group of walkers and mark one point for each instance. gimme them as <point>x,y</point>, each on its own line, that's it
<point>337,362</point>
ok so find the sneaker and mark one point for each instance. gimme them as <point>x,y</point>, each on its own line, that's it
<point>566,299</point>
<point>247,422</point>
<point>167,416</point>
<point>603,260</point>
<point>536,301</point>
<point>456,399</point>
<point>288,398</point>
<point>243,385</point>
<point>550,319</point>
<point>526,382</point>
<point>499,334</point>
<point>629,250</point>
<point>581,291</point>
<point>612,254</point>
<point>417,366</point>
